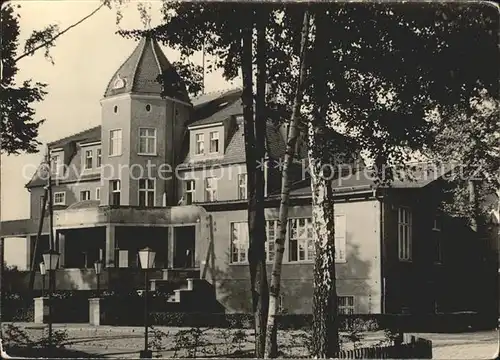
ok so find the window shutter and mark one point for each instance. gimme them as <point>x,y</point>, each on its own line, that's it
<point>340,238</point>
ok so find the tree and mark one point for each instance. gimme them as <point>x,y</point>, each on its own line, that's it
<point>19,129</point>
<point>291,142</point>
<point>381,69</point>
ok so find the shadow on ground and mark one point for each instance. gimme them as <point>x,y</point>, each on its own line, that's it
<point>31,353</point>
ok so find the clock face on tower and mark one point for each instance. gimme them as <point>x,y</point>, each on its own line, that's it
<point>119,83</point>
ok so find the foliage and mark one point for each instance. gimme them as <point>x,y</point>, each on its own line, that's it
<point>190,343</point>
<point>19,128</point>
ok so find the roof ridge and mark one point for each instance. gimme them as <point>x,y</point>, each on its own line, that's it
<point>220,91</point>
<point>144,41</point>
<point>74,134</point>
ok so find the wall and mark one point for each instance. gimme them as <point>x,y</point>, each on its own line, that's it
<point>227,183</point>
<point>358,276</point>
<point>114,168</point>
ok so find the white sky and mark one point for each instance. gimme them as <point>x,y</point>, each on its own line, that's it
<point>85,59</point>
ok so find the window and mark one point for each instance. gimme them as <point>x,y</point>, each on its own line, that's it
<point>214,142</point>
<point>122,258</point>
<point>147,141</point>
<point>404,234</point>
<point>88,159</point>
<point>437,240</point>
<point>200,144</point>
<point>115,142</point>
<point>84,195</point>
<point>98,194</point>
<point>115,189</point>
<point>147,192</point>
<point>190,190</point>
<point>98,154</point>
<point>60,198</point>
<point>56,165</point>
<point>211,189</point>
<point>239,242</point>
<point>272,230</point>
<point>340,238</point>
<point>242,186</point>
<point>301,239</point>
<point>345,305</point>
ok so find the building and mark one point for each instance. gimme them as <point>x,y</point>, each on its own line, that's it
<point>169,173</point>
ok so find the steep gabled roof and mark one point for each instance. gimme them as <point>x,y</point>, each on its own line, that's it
<point>140,72</point>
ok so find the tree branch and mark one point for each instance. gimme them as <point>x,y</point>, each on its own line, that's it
<point>45,43</point>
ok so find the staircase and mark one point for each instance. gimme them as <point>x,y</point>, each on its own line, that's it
<point>186,292</point>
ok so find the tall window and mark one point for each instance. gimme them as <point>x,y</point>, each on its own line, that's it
<point>98,155</point>
<point>239,242</point>
<point>88,159</point>
<point>340,238</point>
<point>301,239</point>
<point>190,191</point>
<point>345,305</point>
<point>404,234</point>
<point>214,142</point>
<point>437,240</point>
<point>115,142</point>
<point>147,141</point>
<point>200,144</point>
<point>272,233</point>
<point>84,195</point>
<point>56,165</point>
<point>98,193</point>
<point>115,190</point>
<point>211,189</point>
<point>242,186</point>
<point>60,198</point>
<point>41,204</point>
<point>147,192</point>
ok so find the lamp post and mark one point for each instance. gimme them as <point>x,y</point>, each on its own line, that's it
<point>43,271</point>
<point>51,260</point>
<point>147,258</point>
<point>98,269</point>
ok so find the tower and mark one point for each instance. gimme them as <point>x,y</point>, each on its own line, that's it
<point>144,112</point>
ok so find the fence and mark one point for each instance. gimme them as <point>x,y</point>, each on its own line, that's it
<point>415,348</point>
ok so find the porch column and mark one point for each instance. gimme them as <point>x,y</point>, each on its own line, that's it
<point>30,249</point>
<point>170,247</point>
<point>110,246</point>
<point>61,243</point>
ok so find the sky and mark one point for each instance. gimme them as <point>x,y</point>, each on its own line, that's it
<point>85,57</point>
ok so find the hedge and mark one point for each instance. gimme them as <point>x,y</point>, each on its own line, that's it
<point>127,309</point>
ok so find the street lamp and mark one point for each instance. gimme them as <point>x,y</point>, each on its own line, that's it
<point>98,269</point>
<point>147,258</point>
<point>43,271</point>
<point>51,260</point>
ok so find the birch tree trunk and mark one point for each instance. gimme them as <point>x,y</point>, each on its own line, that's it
<point>291,140</point>
<point>325,339</point>
<point>254,147</point>
<point>257,250</point>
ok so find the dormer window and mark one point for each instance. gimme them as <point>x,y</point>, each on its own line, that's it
<point>214,142</point>
<point>119,83</point>
<point>88,159</point>
<point>98,158</point>
<point>200,144</point>
<point>56,165</point>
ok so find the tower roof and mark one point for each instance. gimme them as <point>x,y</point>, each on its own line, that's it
<point>140,73</point>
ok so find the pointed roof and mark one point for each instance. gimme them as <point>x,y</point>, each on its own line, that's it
<point>139,74</point>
